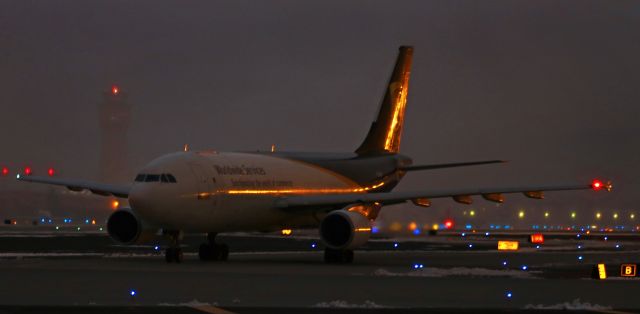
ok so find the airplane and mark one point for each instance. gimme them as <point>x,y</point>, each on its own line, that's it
<point>341,194</point>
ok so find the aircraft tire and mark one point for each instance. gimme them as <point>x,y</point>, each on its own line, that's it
<point>332,256</point>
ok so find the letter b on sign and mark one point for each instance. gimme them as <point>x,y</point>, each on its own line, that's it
<point>628,270</point>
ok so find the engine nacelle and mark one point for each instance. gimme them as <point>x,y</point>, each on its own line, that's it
<point>125,227</point>
<point>345,230</point>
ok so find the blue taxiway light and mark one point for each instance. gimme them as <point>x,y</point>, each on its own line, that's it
<point>470,245</point>
<point>313,245</point>
<point>580,257</point>
<point>418,266</point>
<point>464,234</point>
<point>132,293</point>
<point>486,234</point>
<point>375,229</point>
<point>537,246</point>
<point>579,247</point>
<point>606,238</point>
<point>524,267</point>
<point>509,294</point>
<point>504,263</point>
<point>617,246</point>
<point>395,245</point>
<point>416,231</point>
<point>156,248</point>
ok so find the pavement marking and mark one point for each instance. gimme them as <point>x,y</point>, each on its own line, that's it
<point>211,309</point>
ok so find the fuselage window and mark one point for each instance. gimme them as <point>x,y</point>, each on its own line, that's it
<point>171,178</point>
<point>152,178</point>
<point>140,178</point>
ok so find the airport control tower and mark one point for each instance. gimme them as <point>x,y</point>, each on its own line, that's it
<point>115,116</point>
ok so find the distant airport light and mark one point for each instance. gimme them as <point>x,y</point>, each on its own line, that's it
<point>412,226</point>
<point>132,293</point>
<point>472,213</point>
<point>596,185</point>
<point>51,172</point>
<point>615,216</point>
<point>115,90</point>
<point>115,204</point>
<point>598,215</point>
<point>5,171</point>
<point>448,223</point>
<point>524,267</point>
<point>286,232</point>
<point>435,227</point>
<point>573,215</point>
<point>521,214</point>
<point>509,294</point>
<point>546,214</point>
<point>580,257</point>
<point>632,216</point>
<point>313,245</point>
<point>395,245</point>
<point>27,171</point>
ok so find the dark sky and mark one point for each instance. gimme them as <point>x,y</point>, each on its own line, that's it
<point>551,86</point>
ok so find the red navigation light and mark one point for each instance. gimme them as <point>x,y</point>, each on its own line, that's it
<point>596,185</point>
<point>5,171</point>
<point>448,223</point>
<point>115,90</point>
<point>51,172</point>
<point>27,171</point>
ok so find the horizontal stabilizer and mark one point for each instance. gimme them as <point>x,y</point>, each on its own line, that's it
<point>452,165</point>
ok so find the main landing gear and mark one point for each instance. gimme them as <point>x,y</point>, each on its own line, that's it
<point>174,252</point>
<point>333,256</point>
<point>213,251</point>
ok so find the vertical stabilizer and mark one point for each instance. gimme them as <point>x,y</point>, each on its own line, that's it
<point>386,131</point>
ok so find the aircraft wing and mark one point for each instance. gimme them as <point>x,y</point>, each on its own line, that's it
<point>422,197</point>
<point>103,189</point>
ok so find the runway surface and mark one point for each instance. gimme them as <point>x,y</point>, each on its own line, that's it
<point>87,272</point>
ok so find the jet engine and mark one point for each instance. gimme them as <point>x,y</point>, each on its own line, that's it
<point>345,230</point>
<point>125,227</point>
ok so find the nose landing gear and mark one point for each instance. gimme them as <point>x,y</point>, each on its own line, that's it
<point>213,251</point>
<point>174,252</point>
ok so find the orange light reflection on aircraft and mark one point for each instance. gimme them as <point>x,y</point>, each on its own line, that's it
<point>308,191</point>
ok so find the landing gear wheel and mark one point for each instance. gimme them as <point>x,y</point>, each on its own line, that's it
<point>333,256</point>
<point>216,252</point>
<point>223,252</point>
<point>174,255</point>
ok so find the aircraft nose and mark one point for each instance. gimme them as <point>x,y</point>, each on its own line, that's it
<point>141,198</point>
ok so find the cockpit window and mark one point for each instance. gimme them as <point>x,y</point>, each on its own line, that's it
<point>165,178</point>
<point>152,178</point>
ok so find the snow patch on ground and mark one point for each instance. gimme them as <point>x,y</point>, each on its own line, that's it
<point>192,303</point>
<point>346,305</point>
<point>575,305</point>
<point>459,271</point>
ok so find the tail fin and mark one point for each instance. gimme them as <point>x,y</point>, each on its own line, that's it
<point>386,131</point>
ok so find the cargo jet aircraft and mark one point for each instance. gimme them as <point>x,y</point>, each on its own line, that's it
<point>339,193</point>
